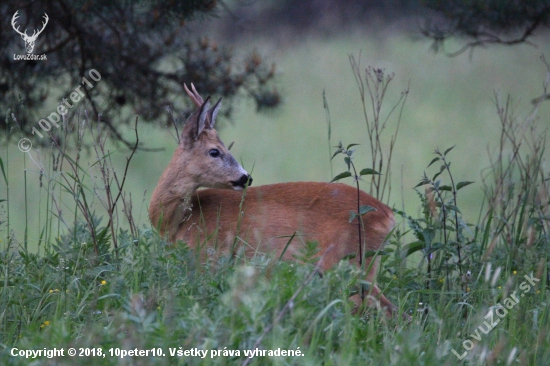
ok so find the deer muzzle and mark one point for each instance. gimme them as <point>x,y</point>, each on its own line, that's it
<point>242,182</point>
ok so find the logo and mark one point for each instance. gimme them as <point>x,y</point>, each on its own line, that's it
<point>29,40</point>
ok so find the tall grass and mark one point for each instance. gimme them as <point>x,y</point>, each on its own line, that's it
<point>103,285</point>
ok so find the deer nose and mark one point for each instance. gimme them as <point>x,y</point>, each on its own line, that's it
<point>243,181</point>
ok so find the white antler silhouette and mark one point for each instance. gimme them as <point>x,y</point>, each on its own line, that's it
<point>29,40</point>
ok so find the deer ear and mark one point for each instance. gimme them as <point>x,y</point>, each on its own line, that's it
<point>196,123</point>
<point>213,112</point>
<point>202,123</point>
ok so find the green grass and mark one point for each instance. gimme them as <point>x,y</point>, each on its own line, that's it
<point>448,263</point>
<point>148,295</point>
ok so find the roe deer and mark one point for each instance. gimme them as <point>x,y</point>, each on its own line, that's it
<point>269,214</point>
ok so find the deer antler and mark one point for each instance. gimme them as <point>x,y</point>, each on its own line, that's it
<point>198,101</point>
<point>194,95</point>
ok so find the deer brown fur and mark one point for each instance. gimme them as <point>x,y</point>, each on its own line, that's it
<point>264,218</point>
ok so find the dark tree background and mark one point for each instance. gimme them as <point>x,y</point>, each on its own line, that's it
<point>477,22</point>
<point>485,22</point>
<point>143,50</point>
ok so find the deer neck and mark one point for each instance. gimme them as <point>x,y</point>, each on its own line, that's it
<point>170,202</point>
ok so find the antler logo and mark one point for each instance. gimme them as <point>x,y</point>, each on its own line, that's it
<point>29,40</point>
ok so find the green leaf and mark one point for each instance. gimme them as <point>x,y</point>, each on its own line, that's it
<point>423,182</point>
<point>372,253</point>
<point>341,176</point>
<point>433,161</point>
<point>434,248</point>
<point>362,210</point>
<point>349,257</point>
<point>449,149</point>
<point>327,112</point>
<point>365,209</point>
<point>412,248</point>
<point>463,184</point>
<point>446,188</point>
<point>436,175</point>
<point>336,153</point>
<point>452,208</point>
<point>368,171</point>
<point>351,145</point>
<point>348,162</point>
<point>3,171</point>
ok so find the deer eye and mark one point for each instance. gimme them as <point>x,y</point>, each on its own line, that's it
<point>214,153</point>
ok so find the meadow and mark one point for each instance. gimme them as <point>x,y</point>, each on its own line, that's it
<point>468,262</point>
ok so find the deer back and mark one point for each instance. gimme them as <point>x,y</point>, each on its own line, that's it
<point>265,219</point>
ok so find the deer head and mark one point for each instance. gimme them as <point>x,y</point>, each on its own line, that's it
<point>208,163</point>
<point>29,40</point>
<point>201,159</point>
